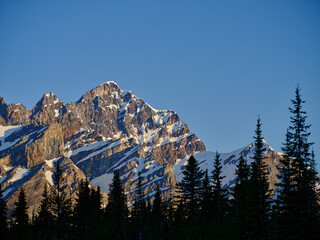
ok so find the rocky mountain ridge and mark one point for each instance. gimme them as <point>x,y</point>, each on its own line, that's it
<point>107,129</point>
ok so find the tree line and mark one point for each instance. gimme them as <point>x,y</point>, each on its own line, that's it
<point>200,208</point>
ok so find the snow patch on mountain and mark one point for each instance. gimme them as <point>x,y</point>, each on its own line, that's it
<point>20,173</point>
<point>103,181</point>
<point>49,176</point>
<point>51,162</point>
<point>229,162</point>
<point>5,130</point>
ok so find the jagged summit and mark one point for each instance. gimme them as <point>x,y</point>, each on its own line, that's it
<point>107,97</point>
<point>109,83</point>
<point>108,129</point>
<point>48,99</point>
<point>104,89</point>
<point>2,101</point>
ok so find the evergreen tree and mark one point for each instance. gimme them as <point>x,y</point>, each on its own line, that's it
<point>220,198</point>
<point>282,217</point>
<point>116,210</point>
<point>157,216</point>
<point>139,212</point>
<point>205,206</point>
<point>3,217</point>
<point>259,190</point>
<point>298,198</point>
<point>96,213</point>
<point>60,204</point>
<point>147,216</point>
<point>169,215</point>
<point>313,208</point>
<point>181,226</point>
<point>239,202</point>
<point>44,219</point>
<point>190,187</point>
<point>83,213</point>
<point>20,216</point>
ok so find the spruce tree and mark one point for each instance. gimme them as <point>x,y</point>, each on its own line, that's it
<point>220,198</point>
<point>3,217</point>
<point>313,208</point>
<point>44,219</point>
<point>190,187</point>
<point>60,204</point>
<point>20,216</point>
<point>157,216</point>
<point>181,225</point>
<point>259,190</point>
<point>116,210</point>
<point>282,214</point>
<point>97,213</point>
<point>205,206</point>
<point>299,194</point>
<point>139,212</point>
<point>82,211</point>
<point>169,215</point>
<point>239,202</point>
<point>147,216</point>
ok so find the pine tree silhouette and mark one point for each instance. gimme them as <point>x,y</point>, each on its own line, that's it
<point>190,186</point>
<point>220,198</point>
<point>240,201</point>
<point>116,210</point>
<point>298,199</point>
<point>157,216</point>
<point>3,216</point>
<point>44,219</point>
<point>206,203</point>
<point>20,216</point>
<point>60,204</point>
<point>259,190</point>
<point>139,212</point>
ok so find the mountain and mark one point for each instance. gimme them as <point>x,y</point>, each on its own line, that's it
<point>107,129</point>
<point>231,159</point>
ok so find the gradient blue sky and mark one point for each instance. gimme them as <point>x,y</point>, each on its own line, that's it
<point>217,63</point>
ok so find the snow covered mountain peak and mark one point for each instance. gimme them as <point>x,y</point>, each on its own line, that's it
<point>231,159</point>
<point>107,129</point>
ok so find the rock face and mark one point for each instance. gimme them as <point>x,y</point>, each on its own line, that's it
<point>13,114</point>
<point>230,160</point>
<point>106,130</point>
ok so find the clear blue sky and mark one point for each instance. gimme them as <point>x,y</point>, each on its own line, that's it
<point>217,63</point>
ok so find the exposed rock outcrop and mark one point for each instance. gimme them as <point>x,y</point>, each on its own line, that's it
<point>106,130</point>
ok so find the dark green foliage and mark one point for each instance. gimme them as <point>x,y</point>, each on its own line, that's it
<point>169,216</point>
<point>116,210</point>
<point>191,185</point>
<point>205,206</point>
<point>297,200</point>
<point>259,194</point>
<point>220,203</point>
<point>240,201</point>
<point>3,217</point>
<point>60,204</point>
<point>44,219</point>
<point>283,209</point>
<point>139,210</point>
<point>157,217</point>
<point>20,216</point>
<point>191,190</point>
<point>181,226</point>
<point>87,212</point>
<point>204,210</point>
